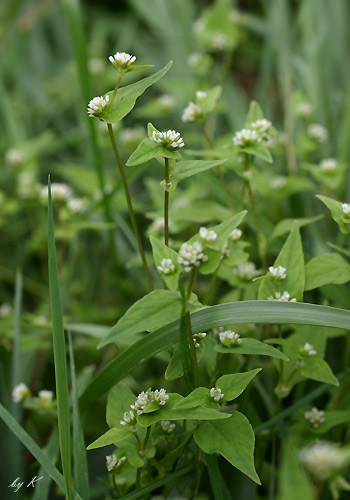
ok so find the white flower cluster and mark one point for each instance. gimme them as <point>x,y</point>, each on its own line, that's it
<point>278,182</point>
<point>278,273</point>
<point>128,418</point>
<point>112,462</point>
<point>97,105</point>
<point>197,337</point>
<point>246,137</point>
<point>45,396</point>
<point>169,139</point>
<point>229,338</point>
<point>216,394</point>
<point>5,310</point>
<point>307,350</point>
<point>122,60</point>
<point>191,256</point>
<point>158,396</point>
<point>192,113</point>
<point>14,157</point>
<point>167,426</point>
<point>346,209</point>
<point>328,164</point>
<point>75,205</point>
<point>167,101</point>
<point>262,127</point>
<point>200,95</point>
<point>323,459</point>
<point>317,132</point>
<point>315,417</point>
<point>219,40</point>
<point>207,235</point>
<point>166,266</point>
<point>246,271</point>
<point>304,110</point>
<point>59,192</point>
<point>235,235</point>
<point>20,392</point>
<point>131,135</point>
<point>282,297</point>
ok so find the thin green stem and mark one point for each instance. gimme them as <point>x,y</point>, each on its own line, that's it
<point>131,210</point>
<point>192,349</point>
<point>138,478</point>
<point>115,89</point>
<point>145,443</point>
<point>166,202</point>
<point>190,285</point>
<point>196,473</point>
<point>211,285</point>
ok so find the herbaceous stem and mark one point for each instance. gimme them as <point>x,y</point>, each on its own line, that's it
<point>166,202</point>
<point>131,210</point>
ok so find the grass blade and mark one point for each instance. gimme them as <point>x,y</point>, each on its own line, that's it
<point>81,476</point>
<point>245,312</point>
<point>42,488</point>
<point>59,350</point>
<point>34,449</point>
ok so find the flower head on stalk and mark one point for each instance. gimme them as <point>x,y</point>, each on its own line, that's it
<point>169,139</point>
<point>346,209</point>
<point>122,61</point>
<point>98,105</point>
<point>113,463</point>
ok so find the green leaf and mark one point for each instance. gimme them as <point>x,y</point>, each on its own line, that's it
<point>160,252</point>
<point>112,436</point>
<point>326,269</point>
<point>284,226</point>
<point>170,412</point>
<point>188,168</point>
<point>233,385</point>
<point>254,114</point>
<point>147,150</point>
<point>125,98</point>
<point>59,349</point>
<point>148,314</point>
<point>233,438</point>
<point>244,312</point>
<point>258,150</point>
<point>337,212</point>
<point>42,488</point>
<point>34,449</point>
<point>208,103</point>
<point>120,397</point>
<point>252,346</point>
<point>81,475</point>
<point>292,258</point>
<point>198,397</point>
<point>318,369</point>
<point>175,369</point>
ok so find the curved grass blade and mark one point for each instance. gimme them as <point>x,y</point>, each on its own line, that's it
<point>59,350</point>
<point>42,488</point>
<point>245,312</point>
<point>34,449</point>
<point>81,476</point>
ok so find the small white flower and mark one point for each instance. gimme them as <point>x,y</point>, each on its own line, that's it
<point>346,209</point>
<point>278,273</point>
<point>262,127</point>
<point>128,418</point>
<point>20,392</point>
<point>194,59</point>
<point>191,113</point>
<point>166,266</point>
<point>191,256</point>
<point>317,132</point>
<point>167,101</point>
<point>97,105</point>
<point>167,426</point>
<point>246,271</point>
<point>324,459</point>
<point>75,205</point>
<point>5,310</point>
<point>304,110</point>
<point>219,41</point>
<point>14,158</point>
<point>207,235</point>
<point>160,396</point>
<point>169,139</point>
<point>235,235</point>
<point>328,164</point>
<point>282,297</point>
<point>45,396</point>
<point>278,182</point>
<point>307,350</point>
<point>246,137</point>
<point>315,417</point>
<point>197,337</point>
<point>201,95</point>
<point>229,338</point>
<point>248,174</point>
<point>216,394</point>
<point>112,462</point>
<point>59,192</point>
<point>122,61</point>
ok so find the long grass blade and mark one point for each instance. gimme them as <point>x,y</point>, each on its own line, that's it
<point>81,476</point>
<point>42,487</point>
<point>245,312</point>
<point>59,350</point>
